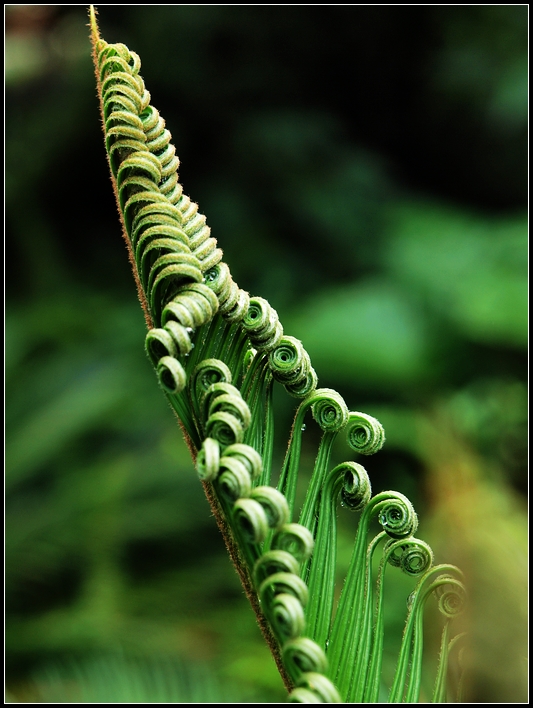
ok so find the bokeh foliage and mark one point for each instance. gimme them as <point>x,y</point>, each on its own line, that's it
<point>362,168</point>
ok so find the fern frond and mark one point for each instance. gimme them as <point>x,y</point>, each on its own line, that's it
<point>218,353</point>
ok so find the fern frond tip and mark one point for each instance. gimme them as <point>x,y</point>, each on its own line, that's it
<point>95,34</point>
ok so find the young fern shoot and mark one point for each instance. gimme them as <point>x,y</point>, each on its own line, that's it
<point>218,353</point>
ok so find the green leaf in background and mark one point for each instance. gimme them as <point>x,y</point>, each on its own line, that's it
<point>472,269</point>
<point>372,333</point>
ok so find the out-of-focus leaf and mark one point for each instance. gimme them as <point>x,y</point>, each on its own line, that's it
<point>92,396</point>
<point>370,334</point>
<point>471,269</point>
<point>483,62</point>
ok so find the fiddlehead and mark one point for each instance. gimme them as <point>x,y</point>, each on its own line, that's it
<point>233,481</point>
<point>314,688</point>
<point>171,375</point>
<point>208,460</point>
<point>217,353</point>
<point>286,615</point>
<point>365,434</point>
<point>397,515</point>
<point>251,520</point>
<point>356,490</point>
<point>414,557</point>
<point>274,504</point>
<point>349,481</point>
<point>302,656</point>
<point>207,373</point>
<point>296,540</point>
<point>291,366</point>
<point>262,325</point>
<point>233,301</point>
<point>411,555</point>
<point>247,456</point>
<point>331,412</point>
<point>274,562</point>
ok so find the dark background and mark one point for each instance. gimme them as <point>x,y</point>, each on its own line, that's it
<point>363,168</point>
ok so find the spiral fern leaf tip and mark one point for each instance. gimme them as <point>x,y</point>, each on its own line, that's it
<point>217,354</point>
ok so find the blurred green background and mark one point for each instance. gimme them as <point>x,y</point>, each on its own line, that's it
<point>365,169</point>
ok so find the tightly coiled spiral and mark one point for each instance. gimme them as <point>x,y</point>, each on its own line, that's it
<point>302,655</point>
<point>274,504</point>
<point>215,390</point>
<point>412,555</point>
<point>233,301</point>
<point>288,583</point>
<point>329,409</point>
<point>250,518</point>
<point>356,489</point>
<point>231,403</point>
<point>397,515</point>
<point>205,374</point>
<point>287,616</point>
<point>261,323</point>
<point>225,427</point>
<point>314,688</point>
<point>291,366</point>
<point>295,539</point>
<point>228,413</point>
<point>282,592</point>
<point>284,596</point>
<point>365,434</point>
<point>191,307</point>
<point>451,595</point>
<point>158,142</point>
<point>171,375</point>
<point>274,562</point>
<point>143,163</point>
<point>208,460</point>
<point>249,457</point>
<point>234,481</point>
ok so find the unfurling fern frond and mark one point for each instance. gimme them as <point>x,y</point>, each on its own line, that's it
<point>217,353</point>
